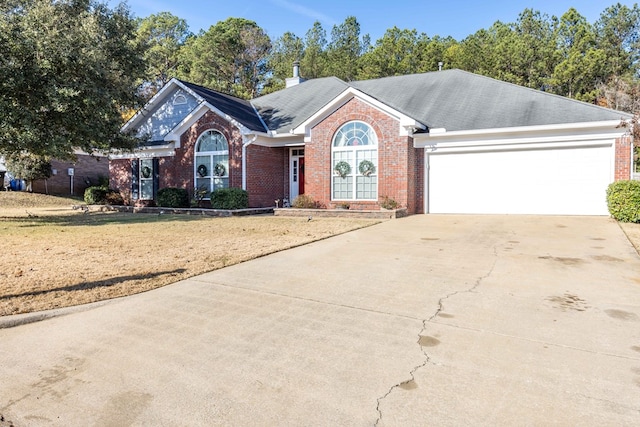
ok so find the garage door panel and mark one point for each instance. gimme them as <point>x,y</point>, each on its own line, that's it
<point>560,181</point>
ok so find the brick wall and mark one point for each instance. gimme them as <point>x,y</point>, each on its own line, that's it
<point>400,173</point>
<point>120,177</point>
<point>264,167</point>
<point>87,171</point>
<point>624,158</point>
<point>266,175</point>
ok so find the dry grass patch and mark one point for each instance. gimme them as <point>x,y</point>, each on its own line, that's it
<point>632,231</point>
<point>56,257</point>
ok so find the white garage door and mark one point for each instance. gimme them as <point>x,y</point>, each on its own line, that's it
<point>569,181</point>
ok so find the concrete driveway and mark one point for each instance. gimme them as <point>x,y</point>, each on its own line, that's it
<point>427,320</point>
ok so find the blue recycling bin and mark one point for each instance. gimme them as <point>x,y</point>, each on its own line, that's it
<point>15,185</point>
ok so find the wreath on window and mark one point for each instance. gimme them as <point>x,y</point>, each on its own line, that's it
<point>202,170</point>
<point>219,169</point>
<point>366,167</point>
<point>342,168</point>
<point>146,172</point>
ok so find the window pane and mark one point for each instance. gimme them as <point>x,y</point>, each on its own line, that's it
<point>203,166</point>
<point>203,183</point>
<point>220,142</point>
<point>220,165</point>
<point>340,139</point>
<point>370,155</point>
<point>212,141</point>
<point>220,183</point>
<point>206,143</point>
<point>146,189</point>
<point>366,187</point>
<point>343,188</point>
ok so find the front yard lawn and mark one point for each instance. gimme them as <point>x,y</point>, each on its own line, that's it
<point>54,256</point>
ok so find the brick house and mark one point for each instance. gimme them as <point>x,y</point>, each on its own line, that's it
<point>73,177</point>
<point>69,178</point>
<point>441,142</point>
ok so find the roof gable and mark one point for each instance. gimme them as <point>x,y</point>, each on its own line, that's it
<point>167,114</point>
<point>406,123</point>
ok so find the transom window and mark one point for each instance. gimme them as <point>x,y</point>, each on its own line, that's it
<point>354,160</point>
<point>211,168</point>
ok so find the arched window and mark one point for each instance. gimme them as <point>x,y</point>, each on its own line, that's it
<point>354,160</point>
<point>179,100</point>
<point>211,168</point>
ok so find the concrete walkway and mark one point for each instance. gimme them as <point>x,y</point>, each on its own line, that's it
<point>427,320</point>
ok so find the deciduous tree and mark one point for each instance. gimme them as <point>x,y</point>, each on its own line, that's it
<point>67,70</point>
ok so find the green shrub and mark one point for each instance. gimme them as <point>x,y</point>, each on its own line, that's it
<point>100,195</point>
<point>623,200</point>
<point>173,197</point>
<point>304,201</point>
<point>95,195</point>
<point>229,198</point>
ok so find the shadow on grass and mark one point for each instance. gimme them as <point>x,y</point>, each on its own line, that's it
<point>97,219</point>
<point>92,285</point>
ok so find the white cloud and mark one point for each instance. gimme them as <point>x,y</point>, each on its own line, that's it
<point>305,11</point>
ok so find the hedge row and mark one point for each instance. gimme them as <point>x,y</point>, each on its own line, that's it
<point>223,198</point>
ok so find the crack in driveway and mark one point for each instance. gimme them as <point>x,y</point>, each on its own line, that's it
<point>425,341</point>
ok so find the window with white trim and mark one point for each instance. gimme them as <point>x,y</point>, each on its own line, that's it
<point>354,162</point>
<point>146,179</point>
<point>211,166</point>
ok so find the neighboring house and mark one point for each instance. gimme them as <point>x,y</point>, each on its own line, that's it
<point>67,178</point>
<point>72,178</point>
<point>440,142</point>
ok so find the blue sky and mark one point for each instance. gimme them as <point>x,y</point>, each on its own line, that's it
<point>457,18</point>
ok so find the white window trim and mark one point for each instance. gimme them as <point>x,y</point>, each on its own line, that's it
<point>355,173</point>
<point>210,155</point>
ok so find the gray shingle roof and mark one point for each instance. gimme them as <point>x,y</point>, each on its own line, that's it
<point>239,109</point>
<point>452,99</point>
<point>458,100</point>
<point>288,108</point>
